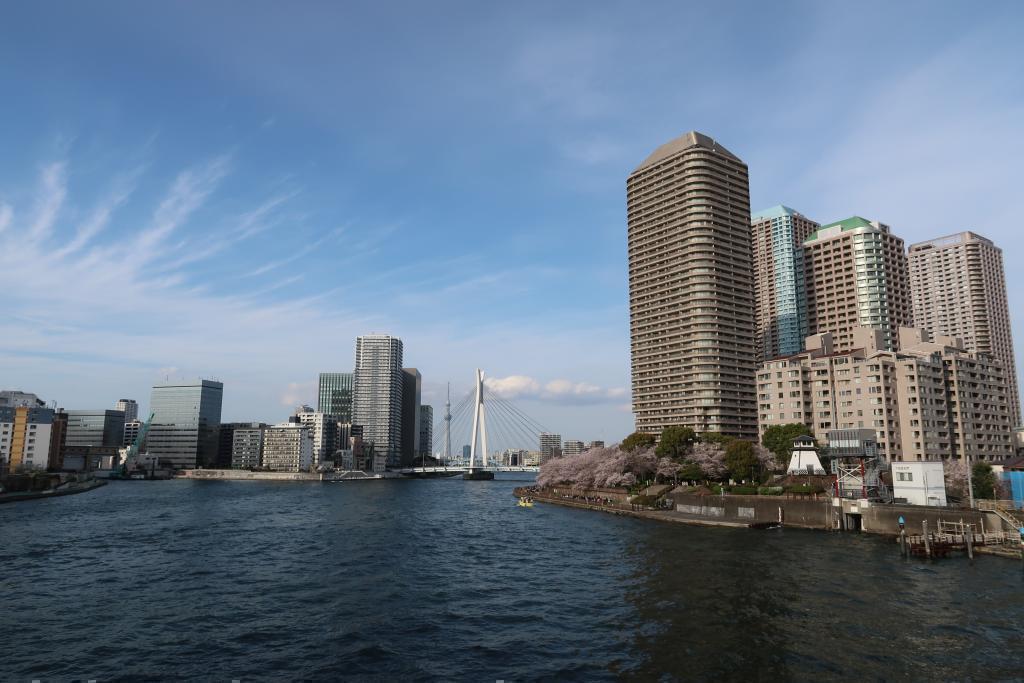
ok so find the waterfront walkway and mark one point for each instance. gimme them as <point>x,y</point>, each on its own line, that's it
<point>607,505</point>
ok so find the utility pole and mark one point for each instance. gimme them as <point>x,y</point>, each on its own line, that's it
<point>970,484</point>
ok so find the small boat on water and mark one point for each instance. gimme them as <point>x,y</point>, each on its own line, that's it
<point>525,503</point>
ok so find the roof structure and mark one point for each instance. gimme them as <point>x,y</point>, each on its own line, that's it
<point>681,143</point>
<point>851,223</point>
<point>777,211</point>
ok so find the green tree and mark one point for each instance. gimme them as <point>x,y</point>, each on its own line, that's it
<point>676,442</point>
<point>691,471</point>
<point>637,440</point>
<point>716,438</point>
<point>741,460</point>
<point>779,440</point>
<point>984,480</point>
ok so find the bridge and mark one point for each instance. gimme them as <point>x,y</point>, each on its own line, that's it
<point>515,432</point>
<point>455,469</point>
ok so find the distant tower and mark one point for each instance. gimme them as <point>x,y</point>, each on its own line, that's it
<point>130,408</point>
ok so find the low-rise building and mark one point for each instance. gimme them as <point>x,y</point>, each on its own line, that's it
<point>919,483</point>
<point>930,400</point>
<point>324,429</point>
<point>288,447</point>
<point>247,446</point>
<point>572,447</point>
<point>25,434</point>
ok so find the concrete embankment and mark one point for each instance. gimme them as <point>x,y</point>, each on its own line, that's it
<point>246,475</point>
<point>820,512</point>
<point>64,490</point>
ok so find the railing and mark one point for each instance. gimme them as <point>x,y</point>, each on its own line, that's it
<point>1004,512</point>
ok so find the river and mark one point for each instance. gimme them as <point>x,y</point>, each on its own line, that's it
<point>448,580</point>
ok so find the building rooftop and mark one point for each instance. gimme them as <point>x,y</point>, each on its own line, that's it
<point>950,240</point>
<point>684,142</point>
<point>831,229</point>
<point>777,211</point>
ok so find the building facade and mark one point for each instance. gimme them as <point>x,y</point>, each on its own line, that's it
<point>186,422</point>
<point>691,291</point>
<point>95,428</point>
<point>856,276</point>
<point>412,384</point>
<point>780,293</point>
<point>377,394</point>
<point>932,400</point>
<point>288,447</point>
<point>323,429</point>
<point>426,431</point>
<point>958,289</point>
<point>571,447</point>
<point>335,395</point>
<point>25,436</point>
<point>129,407</point>
<point>550,445</point>
<point>247,446</point>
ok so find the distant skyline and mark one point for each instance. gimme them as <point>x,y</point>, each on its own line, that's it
<point>238,191</point>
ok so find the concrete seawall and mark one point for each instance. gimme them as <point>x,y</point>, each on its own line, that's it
<point>246,475</point>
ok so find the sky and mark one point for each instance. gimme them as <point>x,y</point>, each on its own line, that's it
<point>236,190</point>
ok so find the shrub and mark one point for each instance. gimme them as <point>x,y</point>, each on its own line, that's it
<point>805,488</point>
<point>744,490</point>
<point>770,490</point>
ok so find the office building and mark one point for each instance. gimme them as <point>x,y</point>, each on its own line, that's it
<point>411,387</point>
<point>14,399</point>
<point>377,394</point>
<point>335,396</point>
<point>58,439</point>
<point>856,276</point>
<point>958,289</point>
<point>129,407</point>
<point>226,442</point>
<point>571,447</point>
<point>95,428</point>
<point>186,420</point>
<point>288,447</point>
<point>426,431</point>
<point>932,400</point>
<point>323,429</point>
<point>780,293</point>
<point>247,446</point>
<point>131,431</point>
<point>691,291</point>
<point>550,446</point>
<point>25,435</point>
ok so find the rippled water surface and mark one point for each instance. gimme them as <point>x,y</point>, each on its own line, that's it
<point>446,579</point>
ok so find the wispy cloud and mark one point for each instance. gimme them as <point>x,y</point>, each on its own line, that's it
<point>557,390</point>
<point>49,200</point>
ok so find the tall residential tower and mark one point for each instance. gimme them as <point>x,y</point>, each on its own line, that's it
<point>377,394</point>
<point>958,289</point>
<point>691,291</point>
<point>856,276</point>
<point>779,290</point>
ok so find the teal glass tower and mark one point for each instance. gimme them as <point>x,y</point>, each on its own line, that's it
<point>335,397</point>
<point>780,290</point>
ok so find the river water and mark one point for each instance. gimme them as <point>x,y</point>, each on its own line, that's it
<point>449,580</point>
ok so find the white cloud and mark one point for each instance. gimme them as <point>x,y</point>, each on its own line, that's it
<point>299,393</point>
<point>556,390</point>
<point>49,199</point>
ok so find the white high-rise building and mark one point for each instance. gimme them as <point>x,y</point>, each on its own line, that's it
<point>377,394</point>
<point>324,429</point>
<point>130,407</point>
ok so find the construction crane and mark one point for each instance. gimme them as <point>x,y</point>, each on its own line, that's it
<point>131,456</point>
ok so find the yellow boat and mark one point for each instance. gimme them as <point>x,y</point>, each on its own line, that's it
<point>525,503</point>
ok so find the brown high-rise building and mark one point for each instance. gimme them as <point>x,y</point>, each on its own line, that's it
<point>856,276</point>
<point>958,289</point>
<point>691,291</point>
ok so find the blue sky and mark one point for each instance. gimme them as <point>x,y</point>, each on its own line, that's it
<point>238,190</point>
